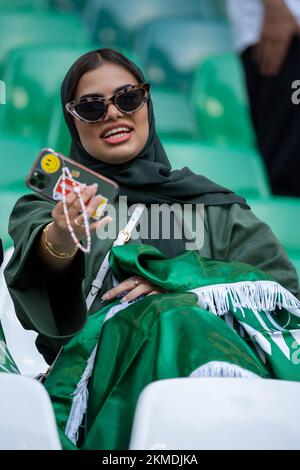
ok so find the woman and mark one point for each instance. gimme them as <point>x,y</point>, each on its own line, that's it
<point>49,278</point>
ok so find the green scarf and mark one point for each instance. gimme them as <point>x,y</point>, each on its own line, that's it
<point>182,333</point>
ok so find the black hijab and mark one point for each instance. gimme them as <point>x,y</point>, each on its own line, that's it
<point>149,178</point>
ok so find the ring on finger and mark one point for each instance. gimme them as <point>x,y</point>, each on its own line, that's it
<point>77,223</point>
<point>136,282</point>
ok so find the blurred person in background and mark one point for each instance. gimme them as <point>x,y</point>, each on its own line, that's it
<point>267,37</point>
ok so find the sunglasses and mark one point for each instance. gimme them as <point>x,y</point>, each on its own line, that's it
<point>94,108</point>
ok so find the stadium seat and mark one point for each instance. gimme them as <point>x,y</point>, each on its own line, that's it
<point>33,77</point>
<point>171,49</point>
<point>220,7</point>
<point>24,5</point>
<point>114,23</point>
<point>17,156</point>
<point>58,137</point>
<point>217,414</point>
<point>67,6</point>
<point>220,101</point>
<point>173,114</point>
<point>283,216</point>
<point>20,342</point>
<point>296,262</point>
<point>24,28</point>
<point>27,417</point>
<point>238,169</point>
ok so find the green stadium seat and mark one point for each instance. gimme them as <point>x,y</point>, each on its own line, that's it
<point>220,101</point>
<point>67,6</point>
<point>296,262</point>
<point>283,216</point>
<point>24,28</point>
<point>58,137</point>
<point>33,78</point>
<point>2,99</point>
<point>24,5</point>
<point>238,169</point>
<point>17,156</point>
<point>172,49</point>
<point>173,113</point>
<point>220,7</point>
<point>8,200</point>
<point>113,22</point>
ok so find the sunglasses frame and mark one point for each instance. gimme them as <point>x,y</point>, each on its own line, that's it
<point>70,107</point>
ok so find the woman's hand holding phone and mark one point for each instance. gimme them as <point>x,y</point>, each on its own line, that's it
<point>58,234</point>
<point>91,202</point>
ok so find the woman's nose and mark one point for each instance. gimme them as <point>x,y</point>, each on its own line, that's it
<point>112,112</point>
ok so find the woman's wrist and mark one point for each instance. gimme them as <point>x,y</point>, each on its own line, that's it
<point>56,243</point>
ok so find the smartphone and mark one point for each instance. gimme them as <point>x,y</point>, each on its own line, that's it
<point>45,177</point>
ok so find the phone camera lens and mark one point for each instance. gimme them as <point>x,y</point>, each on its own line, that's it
<point>39,175</point>
<point>33,181</point>
<point>41,186</point>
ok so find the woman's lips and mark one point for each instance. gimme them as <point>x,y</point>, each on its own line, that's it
<point>113,140</point>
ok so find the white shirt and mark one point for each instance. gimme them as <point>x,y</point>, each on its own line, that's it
<point>246,17</point>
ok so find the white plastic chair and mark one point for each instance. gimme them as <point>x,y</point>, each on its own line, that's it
<point>20,342</point>
<point>218,414</point>
<point>26,416</point>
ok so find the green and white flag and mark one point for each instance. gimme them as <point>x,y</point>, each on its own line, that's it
<point>7,364</point>
<point>217,319</point>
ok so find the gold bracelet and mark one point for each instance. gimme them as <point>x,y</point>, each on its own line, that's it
<point>49,247</point>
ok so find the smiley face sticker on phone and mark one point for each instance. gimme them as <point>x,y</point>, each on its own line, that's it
<point>50,163</point>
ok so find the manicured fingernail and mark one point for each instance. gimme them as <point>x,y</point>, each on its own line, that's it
<point>124,299</point>
<point>94,186</point>
<point>105,297</point>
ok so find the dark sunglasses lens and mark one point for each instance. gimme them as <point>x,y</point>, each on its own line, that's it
<point>130,100</point>
<point>92,110</point>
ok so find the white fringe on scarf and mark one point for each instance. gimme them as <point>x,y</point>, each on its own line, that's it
<point>81,394</point>
<point>223,369</point>
<point>253,295</point>
<point>80,400</point>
